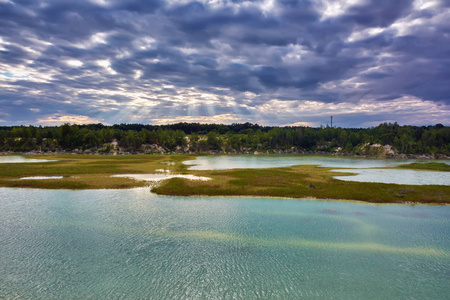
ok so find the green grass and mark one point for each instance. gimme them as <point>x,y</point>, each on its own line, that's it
<point>306,181</point>
<point>301,182</point>
<point>87,171</point>
<point>430,166</point>
<point>54,184</point>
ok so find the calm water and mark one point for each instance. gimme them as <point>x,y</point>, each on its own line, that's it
<point>363,166</point>
<point>396,176</point>
<point>13,159</point>
<point>132,244</point>
<point>222,162</point>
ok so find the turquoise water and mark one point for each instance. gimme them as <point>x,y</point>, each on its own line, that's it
<point>364,167</point>
<point>132,244</point>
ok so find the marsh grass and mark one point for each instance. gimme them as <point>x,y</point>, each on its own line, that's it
<point>87,171</point>
<point>430,166</point>
<point>300,182</point>
<point>305,181</point>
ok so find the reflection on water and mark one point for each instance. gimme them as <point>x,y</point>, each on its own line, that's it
<point>362,166</point>
<point>115,244</point>
<point>222,162</point>
<point>160,177</point>
<point>40,177</point>
<point>396,176</point>
<point>20,159</point>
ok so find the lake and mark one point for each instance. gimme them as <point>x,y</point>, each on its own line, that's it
<point>132,244</point>
<point>223,162</point>
<point>365,169</point>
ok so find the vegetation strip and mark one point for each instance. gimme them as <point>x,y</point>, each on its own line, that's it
<point>431,166</point>
<point>385,140</point>
<point>306,181</point>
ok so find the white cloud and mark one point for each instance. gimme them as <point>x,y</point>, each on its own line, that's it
<point>187,75</point>
<point>59,119</point>
<point>410,24</point>
<point>426,4</point>
<point>335,8</point>
<point>304,124</point>
<point>217,119</point>
<point>404,110</point>
<point>74,63</point>
<point>364,34</point>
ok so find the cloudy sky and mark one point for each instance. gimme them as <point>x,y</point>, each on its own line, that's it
<point>269,62</point>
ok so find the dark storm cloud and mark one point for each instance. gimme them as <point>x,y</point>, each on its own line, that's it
<point>378,13</point>
<point>138,6</point>
<point>69,51</point>
<point>13,55</point>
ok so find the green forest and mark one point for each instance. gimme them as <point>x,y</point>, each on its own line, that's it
<point>219,138</point>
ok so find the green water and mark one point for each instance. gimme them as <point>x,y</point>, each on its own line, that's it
<point>132,244</point>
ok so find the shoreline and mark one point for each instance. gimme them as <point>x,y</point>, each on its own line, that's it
<point>255,153</point>
<point>86,172</point>
<point>310,199</point>
<point>145,188</point>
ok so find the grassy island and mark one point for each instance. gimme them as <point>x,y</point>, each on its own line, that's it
<point>430,166</point>
<point>305,181</point>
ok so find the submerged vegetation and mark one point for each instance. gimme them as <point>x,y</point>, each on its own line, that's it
<point>94,171</point>
<point>384,140</point>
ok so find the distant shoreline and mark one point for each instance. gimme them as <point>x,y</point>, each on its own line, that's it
<point>270,152</point>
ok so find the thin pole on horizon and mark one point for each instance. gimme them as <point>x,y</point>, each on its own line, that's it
<point>331,121</point>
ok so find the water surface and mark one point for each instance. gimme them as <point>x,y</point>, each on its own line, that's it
<point>396,176</point>
<point>13,159</point>
<point>40,177</point>
<point>132,244</point>
<point>160,177</point>
<point>223,162</point>
<point>365,167</point>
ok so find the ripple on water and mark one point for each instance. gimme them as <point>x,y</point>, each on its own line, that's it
<point>115,244</point>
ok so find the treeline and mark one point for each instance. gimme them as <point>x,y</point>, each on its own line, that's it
<point>235,138</point>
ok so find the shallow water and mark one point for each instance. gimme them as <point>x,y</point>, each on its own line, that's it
<point>40,177</point>
<point>12,159</point>
<point>160,177</point>
<point>397,176</point>
<point>132,244</point>
<point>362,166</point>
<point>222,162</point>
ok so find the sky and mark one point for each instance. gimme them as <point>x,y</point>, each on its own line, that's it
<point>274,63</point>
